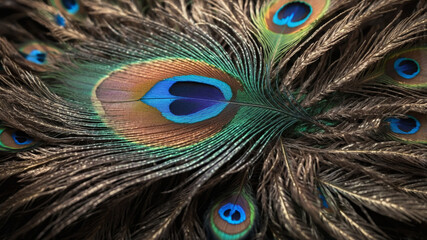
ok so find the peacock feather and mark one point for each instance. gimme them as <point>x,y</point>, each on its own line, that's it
<point>213,119</point>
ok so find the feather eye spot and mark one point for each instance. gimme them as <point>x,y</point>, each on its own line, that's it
<point>71,6</point>
<point>21,138</point>
<point>409,125</point>
<point>292,14</point>
<point>407,68</point>
<point>412,128</point>
<point>14,140</point>
<point>288,17</point>
<point>60,20</point>
<point>189,99</point>
<point>232,213</point>
<point>164,102</point>
<point>233,218</point>
<point>36,56</point>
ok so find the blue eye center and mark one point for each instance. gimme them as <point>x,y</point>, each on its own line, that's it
<point>21,138</point>
<point>293,14</point>
<point>71,6</point>
<point>60,20</point>
<point>189,99</point>
<point>407,68</point>
<point>408,125</point>
<point>36,56</point>
<point>232,213</point>
<point>195,97</point>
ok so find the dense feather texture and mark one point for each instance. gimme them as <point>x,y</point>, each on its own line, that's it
<point>200,119</point>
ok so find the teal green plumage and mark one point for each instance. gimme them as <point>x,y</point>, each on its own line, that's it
<point>213,119</point>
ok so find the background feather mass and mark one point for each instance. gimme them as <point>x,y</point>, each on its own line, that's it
<point>209,119</point>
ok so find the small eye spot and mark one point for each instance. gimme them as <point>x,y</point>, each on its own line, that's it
<point>13,140</point>
<point>293,14</point>
<point>21,138</point>
<point>232,213</point>
<point>407,67</point>
<point>409,125</point>
<point>72,6</point>
<point>36,56</point>
<point>60,20</point>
